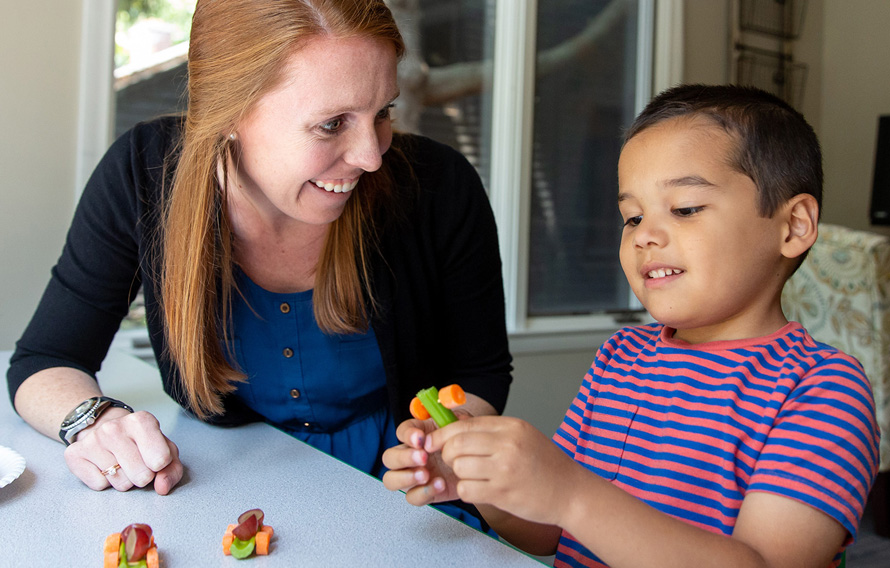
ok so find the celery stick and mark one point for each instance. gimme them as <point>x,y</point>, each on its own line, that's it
<point>430,399</point>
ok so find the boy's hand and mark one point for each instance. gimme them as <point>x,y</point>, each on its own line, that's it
<point>412,469</point>
<point>507,463</point>
<point>420,474</point>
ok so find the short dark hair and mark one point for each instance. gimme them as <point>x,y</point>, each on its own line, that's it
<point>775,146</point>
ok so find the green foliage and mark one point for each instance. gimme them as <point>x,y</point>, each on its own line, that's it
<point>175,12</point>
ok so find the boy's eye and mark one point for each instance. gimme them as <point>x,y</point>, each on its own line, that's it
<point>687,211</point>
<point>633,221</point>
<point>332,126</point>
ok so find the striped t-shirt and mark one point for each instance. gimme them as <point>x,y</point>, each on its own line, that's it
<point>690,429</point>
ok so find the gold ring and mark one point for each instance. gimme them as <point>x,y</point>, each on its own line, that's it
<point>110,470</point>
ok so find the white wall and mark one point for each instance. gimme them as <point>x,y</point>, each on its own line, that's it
<point>855,90</point>
<point>39,47</point>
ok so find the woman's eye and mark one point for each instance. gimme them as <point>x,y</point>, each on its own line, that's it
<point>633,221</point>
<point>332,126</point>
<point>687,211</point>
<point>385,112</point>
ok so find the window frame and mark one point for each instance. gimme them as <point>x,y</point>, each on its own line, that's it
<point>660,48</point>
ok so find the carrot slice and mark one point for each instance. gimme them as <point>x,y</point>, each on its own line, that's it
<point>262,543</point>
<point>112,550</point>
<point>452,396</point>
<point>113,542</point>
<point>151,558</point>
<point>418,410</point>
<point>227,540</point>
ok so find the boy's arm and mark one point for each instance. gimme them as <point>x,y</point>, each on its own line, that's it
<point>534,538</point>
<point>771,531</point>
<point>505,465</point>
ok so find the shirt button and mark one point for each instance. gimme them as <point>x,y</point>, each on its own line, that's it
<point>306,424</point>
<point>295,393</point>
<point>285,307</point>
<point>288,352</point>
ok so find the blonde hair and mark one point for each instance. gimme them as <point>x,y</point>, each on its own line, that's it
<point>238,49</point>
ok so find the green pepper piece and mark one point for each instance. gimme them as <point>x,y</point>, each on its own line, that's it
<point>430,399</point>
<point>241,549</point>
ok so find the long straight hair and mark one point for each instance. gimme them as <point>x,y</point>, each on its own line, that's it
<point>237,52</point>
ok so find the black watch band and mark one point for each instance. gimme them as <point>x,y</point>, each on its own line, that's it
<point>85,414</point>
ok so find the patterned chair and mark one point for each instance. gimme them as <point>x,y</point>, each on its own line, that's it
<point>841,294</point>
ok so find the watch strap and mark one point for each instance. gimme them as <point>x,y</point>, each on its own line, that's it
<point>99,405</point>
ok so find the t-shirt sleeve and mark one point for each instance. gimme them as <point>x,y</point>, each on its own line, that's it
<point>823,448</point>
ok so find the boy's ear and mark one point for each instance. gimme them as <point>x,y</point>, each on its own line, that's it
<point>802,225</point>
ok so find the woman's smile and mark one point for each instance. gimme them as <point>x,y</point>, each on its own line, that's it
<point>336,186</point>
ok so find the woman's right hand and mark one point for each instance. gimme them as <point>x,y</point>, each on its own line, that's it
<point>422,476</point>
<point>133,441</point>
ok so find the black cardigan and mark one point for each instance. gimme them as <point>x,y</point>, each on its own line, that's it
<point>437,277</point>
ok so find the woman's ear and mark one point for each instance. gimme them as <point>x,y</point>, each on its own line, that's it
<point>802,225</point>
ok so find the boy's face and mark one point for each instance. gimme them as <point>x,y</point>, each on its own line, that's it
<point>693,247</point>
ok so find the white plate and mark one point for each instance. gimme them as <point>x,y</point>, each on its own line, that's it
<point>12,464</point>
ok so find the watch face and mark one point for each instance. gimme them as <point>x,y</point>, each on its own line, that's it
<point>75,414</point>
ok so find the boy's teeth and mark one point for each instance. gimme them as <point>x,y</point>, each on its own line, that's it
<point>662,272</point>
<point>336,188</point>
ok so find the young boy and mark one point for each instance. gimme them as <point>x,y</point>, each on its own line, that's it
<point>722,435</point>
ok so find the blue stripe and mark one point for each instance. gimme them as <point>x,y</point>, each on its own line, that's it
<point>576,546</point>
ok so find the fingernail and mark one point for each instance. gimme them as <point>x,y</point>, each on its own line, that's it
<point>418,440</point>
<point>420,476</point>
<point>439,485</point>
<point>419,457</point>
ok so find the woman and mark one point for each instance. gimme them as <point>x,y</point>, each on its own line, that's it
<point>301,264</point>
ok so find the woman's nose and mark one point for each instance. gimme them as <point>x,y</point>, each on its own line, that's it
<point>367,148</point>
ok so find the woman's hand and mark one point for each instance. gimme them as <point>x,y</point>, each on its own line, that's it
<point>132,441</point>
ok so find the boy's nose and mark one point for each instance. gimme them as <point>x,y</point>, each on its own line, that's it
<point>649,233</point>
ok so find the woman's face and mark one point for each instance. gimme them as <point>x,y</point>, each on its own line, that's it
<point>303,148</point>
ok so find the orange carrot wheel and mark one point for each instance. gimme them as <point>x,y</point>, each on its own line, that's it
<point>151,558</point>
<point>112,550</point>
<point>262,542</point>
<point>452,396</point>
<point>418,410</point>
<point>227,540</point>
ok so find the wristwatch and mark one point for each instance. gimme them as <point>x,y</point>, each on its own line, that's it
<point>85,415</point>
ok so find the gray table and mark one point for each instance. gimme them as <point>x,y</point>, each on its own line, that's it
<point>324,512</point>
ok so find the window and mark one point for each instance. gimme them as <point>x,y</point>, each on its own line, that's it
<point>535,93</point>
<point>150,59</point>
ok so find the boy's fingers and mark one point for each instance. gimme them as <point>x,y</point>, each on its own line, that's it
<point>401,457</point>
<point>405,479</point>
<point>435,440</point>
<point>427,493</point>
<point>477,425</point>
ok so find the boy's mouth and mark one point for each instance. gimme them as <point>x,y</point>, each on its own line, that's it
<point>663,272</point>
